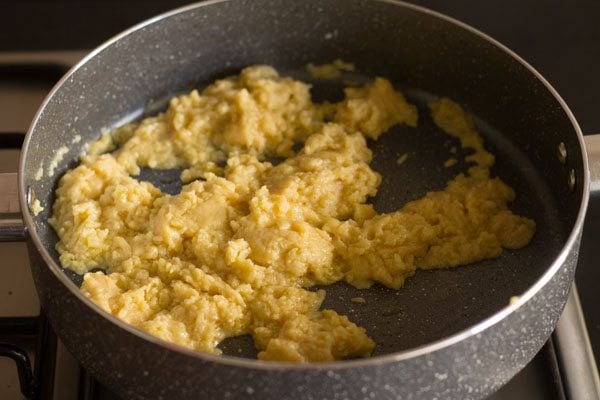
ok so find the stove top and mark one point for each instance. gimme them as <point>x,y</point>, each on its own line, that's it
<point>30,64</point>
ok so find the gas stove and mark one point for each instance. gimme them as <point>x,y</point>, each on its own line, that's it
<point>563,369</point>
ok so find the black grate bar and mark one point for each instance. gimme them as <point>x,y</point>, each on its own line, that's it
<point>87,386</point>
<point>18,326</point>
<point>45,359</point>
<point>21,359</point>
<point>39,383</point>
<point>11,140</point>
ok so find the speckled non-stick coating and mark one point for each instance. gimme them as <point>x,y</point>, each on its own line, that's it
<point>424,55</point>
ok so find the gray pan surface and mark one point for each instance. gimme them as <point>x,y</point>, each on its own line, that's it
<point>432,304</point>
<point>521,120</point>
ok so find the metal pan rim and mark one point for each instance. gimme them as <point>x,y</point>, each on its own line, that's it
<point>420,351</point>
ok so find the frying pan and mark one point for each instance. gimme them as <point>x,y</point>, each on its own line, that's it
<point>446,333</point>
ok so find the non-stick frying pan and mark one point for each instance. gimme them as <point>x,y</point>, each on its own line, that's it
<point>447,333</point>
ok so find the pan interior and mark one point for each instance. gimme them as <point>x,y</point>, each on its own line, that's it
<point>433,304</point>
<point>520,118</point>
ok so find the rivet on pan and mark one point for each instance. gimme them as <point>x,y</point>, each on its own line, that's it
<point>561,152</point>
<point>571,181</point>
<point>29,195</point>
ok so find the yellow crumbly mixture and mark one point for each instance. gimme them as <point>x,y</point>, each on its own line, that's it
<point>236,250</point>
<point>333,70</point>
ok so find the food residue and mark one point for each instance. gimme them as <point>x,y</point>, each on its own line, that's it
<point>332,70</point>
<point>402,159</point>
<point>450,162</point>
<point>39,174</point>
<point>36,207</point>
<point>58,157</point>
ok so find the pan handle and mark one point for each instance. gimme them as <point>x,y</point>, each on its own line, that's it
<point>12,228</point>
<point>592,147</point>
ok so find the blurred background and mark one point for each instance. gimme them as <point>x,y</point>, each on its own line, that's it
<point>559,38</point>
